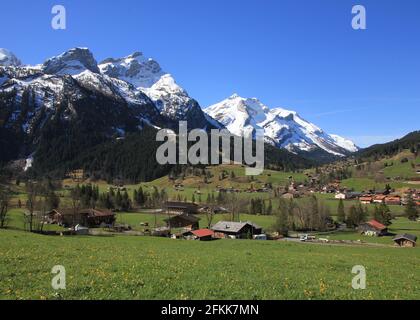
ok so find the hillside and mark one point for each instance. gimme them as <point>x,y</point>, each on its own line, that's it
<point>411,142</point>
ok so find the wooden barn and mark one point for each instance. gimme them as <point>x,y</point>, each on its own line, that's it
<point>405,240</point>
<point>185,220</point>
<point>175,207</point>
<point>237,230</point>
<point>373,228</point>
<point>85,217</point>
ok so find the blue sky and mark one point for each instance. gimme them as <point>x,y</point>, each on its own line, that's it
<point>297,54</point>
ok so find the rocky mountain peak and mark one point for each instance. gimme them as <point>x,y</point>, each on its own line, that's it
<point>71,62</point>
<point>8,59</point>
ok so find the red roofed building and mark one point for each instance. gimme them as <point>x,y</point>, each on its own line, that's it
<point>373,228</point>
<point>394,200</point>
<point>379,199</point>
<point>366,200</point>
<point>201,234</point>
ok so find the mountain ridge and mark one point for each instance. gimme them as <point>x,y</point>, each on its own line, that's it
<point>282,128</point>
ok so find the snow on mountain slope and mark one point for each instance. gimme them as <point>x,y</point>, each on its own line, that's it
<point>344,143</point>
<point>148,77</point>
<point>8,59</point>
<point>135,69</point>
<point>283,128</point>
<point>71,62</point>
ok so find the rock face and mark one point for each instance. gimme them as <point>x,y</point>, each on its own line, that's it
<point>148,77</point>
<point>282,128</point>
<point>8,59</point>
<point>71,62</point>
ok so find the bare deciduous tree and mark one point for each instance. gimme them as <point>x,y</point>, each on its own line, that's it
<point>4,207</point>
<point>31,203</point>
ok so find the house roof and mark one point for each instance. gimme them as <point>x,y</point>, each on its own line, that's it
<point>365,199</point>
<point>88,212</point>
<point>230,226</point>
<point>202,233</point>
<point>377,225</point>
<point>185,216</point>
<point>181,205</point>
<point>393,198</point>
<point>406,236</point>
<point>379,197</point>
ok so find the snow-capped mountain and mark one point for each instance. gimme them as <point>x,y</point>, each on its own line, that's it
<point>71,62</point>
<point>148,77</point>
<point>282,128</point>
<point>69,94</point>
<point>8,59</point>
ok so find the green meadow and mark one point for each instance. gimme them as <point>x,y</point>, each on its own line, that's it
<point>125,267</point>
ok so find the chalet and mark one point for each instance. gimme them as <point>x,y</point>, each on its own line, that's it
<point>373,228</point>
<point>175,207</point>
<point>341,195</point>
<point>366,200</point>
<point>185,220</point>
<point>236,230</point>
<point>201,234</point>
<point>379,199</point>
<point>85,217</point>
<point>393,200</point>
<point>405,240</point>
<point>347,195</point>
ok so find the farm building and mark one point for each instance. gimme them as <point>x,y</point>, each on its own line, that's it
<point>201,234</point>
<point>394,200</point>
<point>366,200</point>
<point>84,217</point>
<point>175,207</point>
<point>379,199</point>
<point>341,195</point>
<point>373,228</point>
<point>185,220</point>
<point>237,230</point>
<point>405,240</point>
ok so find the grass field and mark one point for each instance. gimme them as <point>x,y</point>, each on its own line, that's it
<point>124,267</point>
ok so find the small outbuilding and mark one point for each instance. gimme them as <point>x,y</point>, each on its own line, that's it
<point>373,228</point>
<point>201,234</point>
<point>405,240</point>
